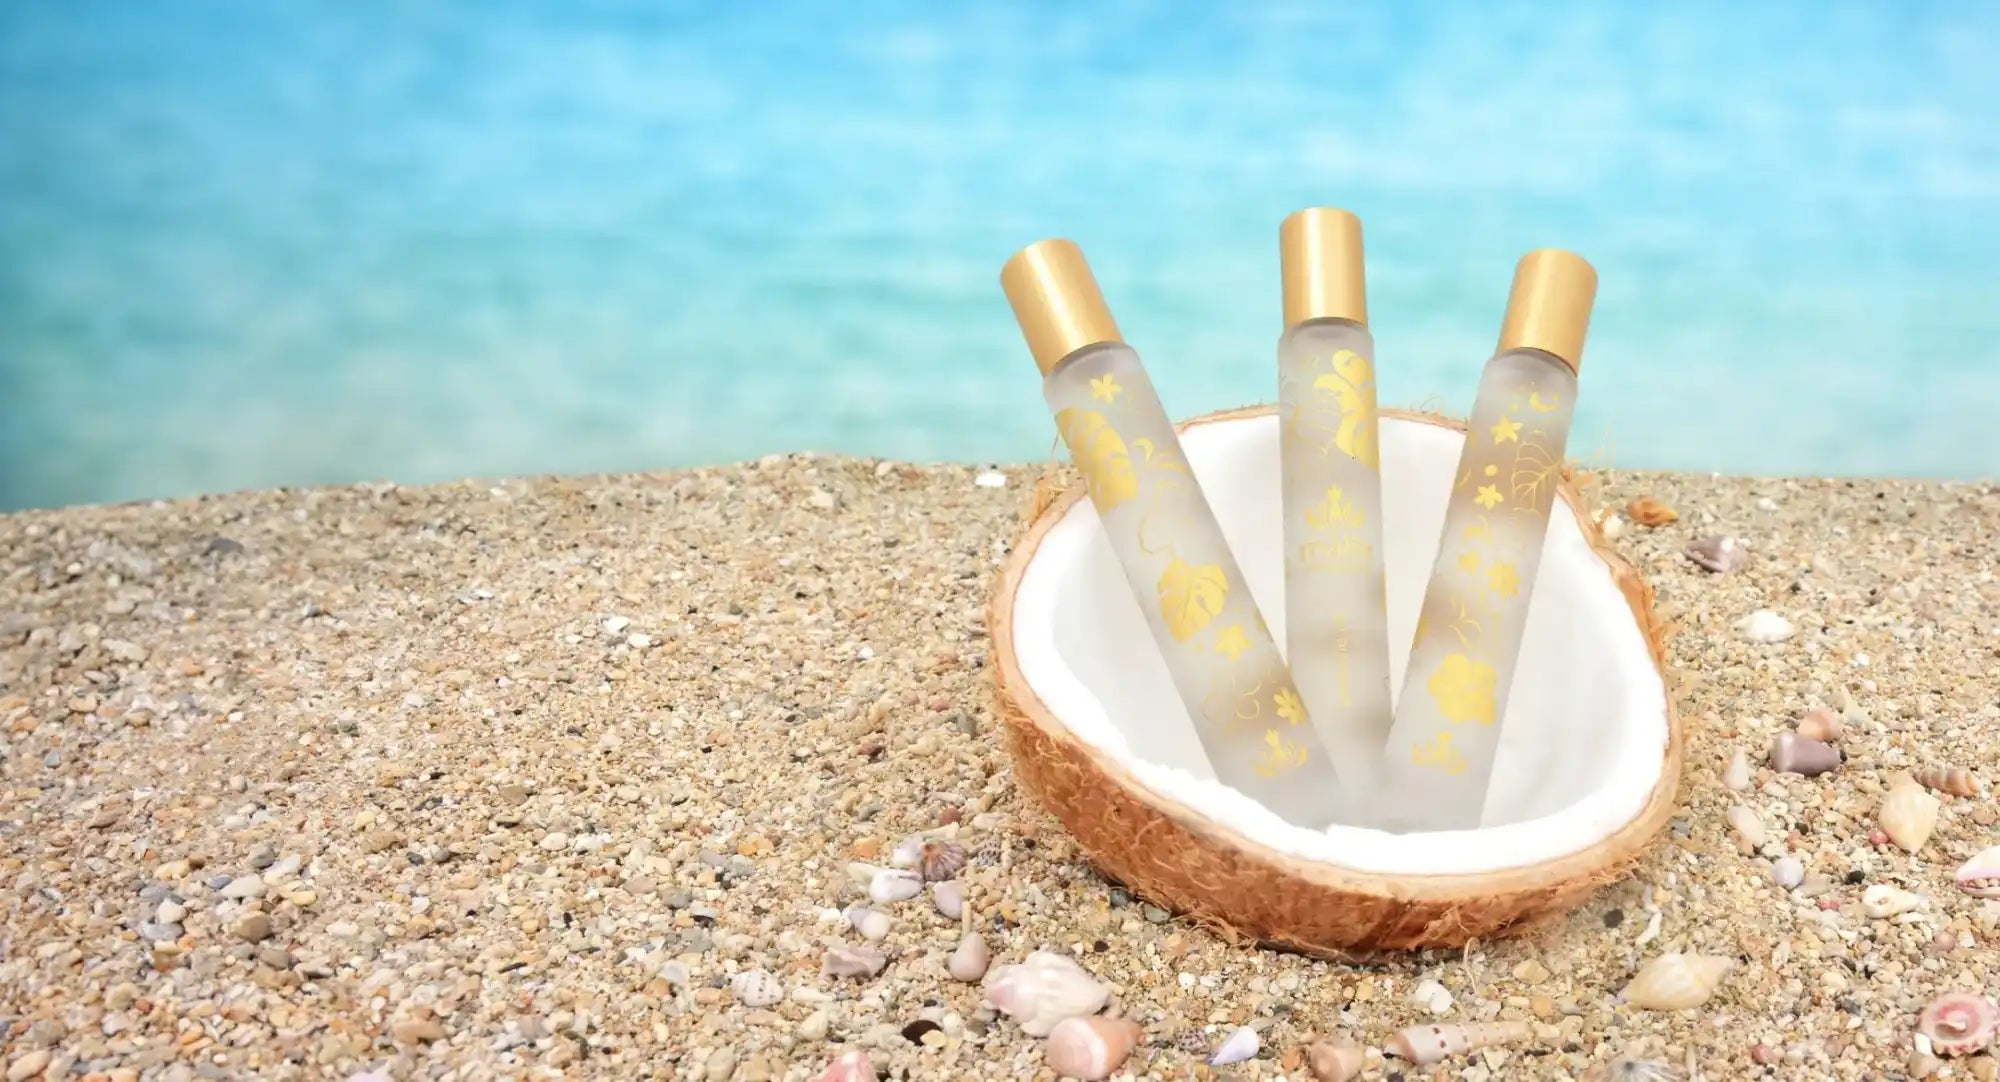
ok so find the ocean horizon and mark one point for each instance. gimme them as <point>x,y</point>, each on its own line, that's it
<point>250,245</point>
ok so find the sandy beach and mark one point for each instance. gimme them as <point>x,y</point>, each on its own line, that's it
<point>517,779</point>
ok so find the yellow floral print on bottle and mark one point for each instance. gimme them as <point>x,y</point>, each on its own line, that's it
<point>1100,453</point>
<point>1191,596</point>
<point>1439,755</point>
<point>1290,706</point>
<point>1340,414</point>
<point>1463,689</point>
<point>1280,755</point>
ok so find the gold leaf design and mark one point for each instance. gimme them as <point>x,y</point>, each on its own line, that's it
<point>1335,513</point>
<point>1439,755</point>
<point>1342,414</point>
<point>1464,622</point>
<point>1290,706</point>
<point>1191,596</point>
<point>1279,755</point>
<point>1463,689</point>
<point>1533,479</point>
<point>1100,453</point>
<point>1153,458</point>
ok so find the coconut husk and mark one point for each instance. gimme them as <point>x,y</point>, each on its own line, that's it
<point>1177,858</point>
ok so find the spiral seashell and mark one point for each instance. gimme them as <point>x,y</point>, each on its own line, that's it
<point>1635,1070</point>
<point>1959,1023</point>
<point>894,885</point>
<point>1736,775</point>
<point>1676,982</point>
<point>1795,754</point>
<point>1089,1048</point>
<point>1335,1061</point>
<point>1819,723</point>
<point>1241,1044</point>
<point>968,963</point>
<point>1882,901</point>
<point>1423,1045</point>
<point>1746,824</point>
<point>854,963</point>
<point>1044,989</point>
<point>1909,814</point>
<point>940,860</point>
<point>756,988</point>
<point>1954,780</point>
<point>873,924</point>
<point>849,1067</point>
<point>1980,876</point>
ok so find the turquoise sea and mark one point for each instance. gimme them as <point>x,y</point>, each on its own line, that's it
<point>247,244</point>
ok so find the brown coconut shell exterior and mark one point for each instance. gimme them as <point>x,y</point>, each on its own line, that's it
<point>1246,891</point>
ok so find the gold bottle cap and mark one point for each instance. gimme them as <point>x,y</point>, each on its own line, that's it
<point>1319,258</point>
<point>1056,301</point>
<point>1549,308</point>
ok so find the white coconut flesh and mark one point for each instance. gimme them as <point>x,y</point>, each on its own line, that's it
<point>1584,734</point>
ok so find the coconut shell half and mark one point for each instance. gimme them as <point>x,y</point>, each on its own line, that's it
<point>1162,832</point>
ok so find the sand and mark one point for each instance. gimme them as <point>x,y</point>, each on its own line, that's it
<point>514,780</point>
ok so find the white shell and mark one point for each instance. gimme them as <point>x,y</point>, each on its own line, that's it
<point>1764,626</point>
<point>907,852</point>
<point>949,898</point>
<point>1788,872</point>
<point>968,963</point>
<point>894,885</point>
<point>1433,997</point>
<point>1044,989</point>
<point>1241,1044</point>
<point>1746,824</point>
<point>1736,775</point>
<point>1424,1045</point>
<point>1882,901</point>
<point>873,924</point>
<point>861,873</point>
<point>1909,814</point>
<point>1676,982</point>
<point>1980,876</point>
<point>756,988</point>
<point>1089,1048</point>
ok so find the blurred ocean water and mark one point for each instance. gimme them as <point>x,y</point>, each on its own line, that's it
<point>251,244</point>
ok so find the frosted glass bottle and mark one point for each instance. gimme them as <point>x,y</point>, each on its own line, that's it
<point>1225,665</point>
<point>1336,597</point>
<point>1447,727</point>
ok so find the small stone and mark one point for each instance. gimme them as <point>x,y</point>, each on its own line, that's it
<point>949,898</point>
<point>302,898</point>
<point>854,963</point>
<point>821,500</point>
<point>170,912</point>
<point>417,1031</point>
<point>1764,626</point>
<point>555,841</point>
<point>969,961</point>
<point>247,887</point>
<point>263,857</point>
<point>1795,754</point>
<point>894,885</point>
<point>720,1066</point>
<point>252,928</point>
<point>375,841</point>
<point>1788,872</point>
<point>1432,996</point>
<point>1155,914</point>
<point>155,932</point>
<point>28,1066</point>
<point>1531,971</point>
<point>814,1027</point>
<point>1718,554</point>
<point>1736,775</point>
<point>1746,824</point>
<point>991,479</point>
<point>513,793</point>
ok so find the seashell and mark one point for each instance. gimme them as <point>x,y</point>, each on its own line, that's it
<point>1737,774</point>
<point>1719,554</point>
<point>855,963</point>
<point>1909,814</point>
<point>1423,1045</point>
<point>1241,1044</point>
<point>873,924</point>
<point>1044,989</point>
<point>1819,723</point>
<point>1795,754</point>
<point>756,988</point>
<point>1882,900</point>
<point>1335,1061</point>
<point>1788,872</point>
<point>894,885</point>
<point>968,963</point>
<point>1089,1048</point>
<point>1609,523</point>
<point>848,1067</point>
<point>1635,1070</point>
<point>1764,626</point>
<point>1676,982</point>
<point>949,897</point>
<point>1959,1023</point>
<point>1746,824</point>
<point>1955,780</point>
<point>908,851</point>
<point>861,873</point>
<point>1980,876</point>
<point>1432,996</point>
<point>940,860</point>
<point>1647,511</point>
